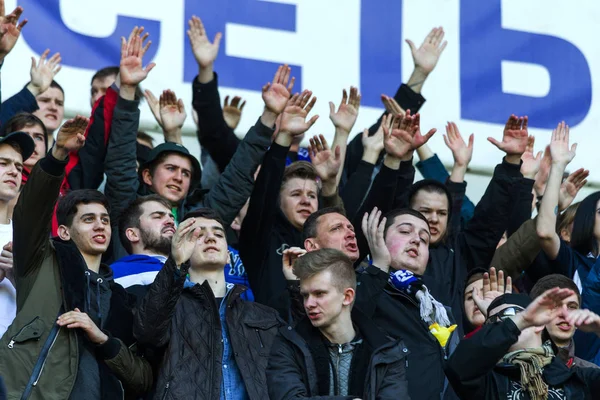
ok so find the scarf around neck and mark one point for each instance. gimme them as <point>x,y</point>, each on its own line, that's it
<point>432,312</point>
<point>531,362</point>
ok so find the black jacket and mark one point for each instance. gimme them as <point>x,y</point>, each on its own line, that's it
<point>475,245</point>
<point>299,364</point>
<point>186,322</point>
<point>474,372</point>
<point>266,232</point>
<point>399,316</point>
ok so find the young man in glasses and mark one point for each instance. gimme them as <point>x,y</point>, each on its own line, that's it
<point>527,368</point>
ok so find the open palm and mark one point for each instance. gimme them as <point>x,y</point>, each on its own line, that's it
<point>9,29</point>
<point>515,137</point>
<point>277,93</point>
<point>428,54</point>
<point>326,162</point>
<point>204,50</point>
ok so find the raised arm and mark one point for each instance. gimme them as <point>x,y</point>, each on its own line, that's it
<point>262,209</point>
<point>32,215</point>
<point>480,237</point>
<point>169,113</point>
<point>343,120</point>
<point>214,134</point>
<point>546,223</point>
<point>235,184</point>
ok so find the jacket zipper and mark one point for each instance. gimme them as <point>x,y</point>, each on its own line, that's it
<point>41,361</point>
<point>259,339</point>
<point>337,372</point>
<point>166,391</point>
<point>11,344</point>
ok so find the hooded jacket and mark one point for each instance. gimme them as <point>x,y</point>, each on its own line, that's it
<point>186,321</point>
<point>299,365</point>
<point>475,373</point>
<point>38,358</point>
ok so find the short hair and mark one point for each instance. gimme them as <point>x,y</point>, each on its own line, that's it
<point>144,136</point>
<point>114,70</point>
<point>206,213</point>
<point>550,282</point>
<point>130,218</point>
<point>474,275</point>
<point>24,120</point>
<point>429,186</point>
<point>566,217</point>
<point>55,84</point>
<point>105,73</point>
<point>67,205</point>
<point>299,169</point>
<point>582,237</point>
<point>342,270</point>
<point>309,229</point>
<point>391,216</point>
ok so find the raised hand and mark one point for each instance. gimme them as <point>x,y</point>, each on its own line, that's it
<point>542,176</point>
<point>344,118</point>
<point>132,52</point>
<point>10,29</point>
<point>232,113</point>
<point>402,134</point>
<point>570,187</point>
<point>205,52</point>
<point>543,310</point>
<point>293,120</point>
<point>515,137</point>
<point>584,320</point>
<point>184,241</point>
<point>78,319</point>
<point>530,164</point>
<point>172,112</point>
<point>559,145</point>
<point>391,105</point>
<point>461,152</point>
<point>288,259</point>
<point>71,137</point>
<point>277,93</point>
<point>373,230</point>
<point>326,162</point>
<point>372,145</point>
<point>428,54</point>
<point>168,111</point>
<point>493,286</point>
<point>43,72</point>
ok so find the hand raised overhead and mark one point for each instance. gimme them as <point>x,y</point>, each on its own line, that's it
<point>344,118</point>
<point>71,137</point>
<point>10,29</point>
<point>132,52</point>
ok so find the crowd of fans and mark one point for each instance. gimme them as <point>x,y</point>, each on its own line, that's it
<point>271,271</point>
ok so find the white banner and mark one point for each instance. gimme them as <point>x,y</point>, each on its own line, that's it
<point>530,58</point>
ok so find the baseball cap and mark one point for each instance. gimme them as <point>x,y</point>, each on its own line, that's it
<point>23,140</point>
<point>169,147</point>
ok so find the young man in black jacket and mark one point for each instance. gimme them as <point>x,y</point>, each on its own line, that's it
<point>217,344</point>
<point>336,350</point>
<point>392,294</point>
<point>507,358</point>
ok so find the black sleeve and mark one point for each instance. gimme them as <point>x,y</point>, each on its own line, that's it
<point>353,192</point>
<point>480,237</point>
<point>381,195</point>
<point>408,100</point>
<point>457,193</point>
<point>152,319</point>
<point>257,226</point>
<point>472,377</point>
<point>521,211</point>
<point>405,180</point>
<point>214,135</point>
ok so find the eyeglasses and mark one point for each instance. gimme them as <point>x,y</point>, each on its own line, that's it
<point>504,314</point>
